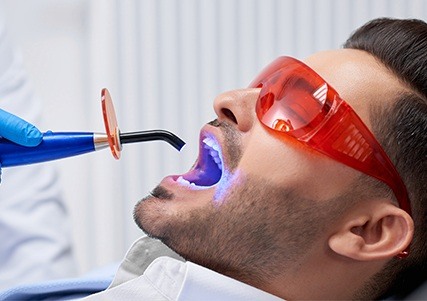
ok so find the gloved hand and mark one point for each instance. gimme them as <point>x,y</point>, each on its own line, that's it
<point>18,130</point>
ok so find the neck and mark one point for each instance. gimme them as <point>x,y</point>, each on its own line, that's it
<point>327,277</point>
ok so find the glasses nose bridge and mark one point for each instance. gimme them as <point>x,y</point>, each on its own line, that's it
<point>238,107</point>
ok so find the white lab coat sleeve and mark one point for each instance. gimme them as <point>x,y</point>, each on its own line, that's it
<point>35,240</point>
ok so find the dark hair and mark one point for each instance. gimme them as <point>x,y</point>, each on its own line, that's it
<point>401,45</point>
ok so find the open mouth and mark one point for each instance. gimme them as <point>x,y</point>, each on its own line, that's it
<point>208,169</point>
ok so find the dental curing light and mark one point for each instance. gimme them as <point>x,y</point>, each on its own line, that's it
<point>58,145</point>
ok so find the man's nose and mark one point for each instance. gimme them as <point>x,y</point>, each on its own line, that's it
<point>238,107</point>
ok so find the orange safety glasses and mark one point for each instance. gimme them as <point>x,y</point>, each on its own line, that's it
<point>295,101</point>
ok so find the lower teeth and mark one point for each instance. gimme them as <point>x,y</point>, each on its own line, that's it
<point>183,181</point>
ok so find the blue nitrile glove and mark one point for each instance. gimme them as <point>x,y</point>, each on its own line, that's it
<point>18,130</point>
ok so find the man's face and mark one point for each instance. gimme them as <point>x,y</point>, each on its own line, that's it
<point>260,203</point>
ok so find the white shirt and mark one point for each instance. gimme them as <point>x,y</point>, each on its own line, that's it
<point>151,271</point>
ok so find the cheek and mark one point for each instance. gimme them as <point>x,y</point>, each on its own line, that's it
<point>292,166</point>
<point>273,159</point>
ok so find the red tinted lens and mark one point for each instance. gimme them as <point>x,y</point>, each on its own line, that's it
<point>291,98</point>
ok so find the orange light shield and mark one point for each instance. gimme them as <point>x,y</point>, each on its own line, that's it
<point>110,122</point>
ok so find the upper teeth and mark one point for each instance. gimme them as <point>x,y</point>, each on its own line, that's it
<point>214,150</point>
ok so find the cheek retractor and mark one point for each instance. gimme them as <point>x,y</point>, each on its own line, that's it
<point>58,145</point>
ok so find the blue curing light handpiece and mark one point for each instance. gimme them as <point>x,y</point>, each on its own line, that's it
<point>58,145</point>
<point>53,146</point>
<point>67,144</point>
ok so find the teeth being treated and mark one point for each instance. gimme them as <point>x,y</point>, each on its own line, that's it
<point>213,148</point>
<point>205,173</point>
<point>211,143</point>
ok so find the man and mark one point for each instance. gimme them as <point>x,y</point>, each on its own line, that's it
<point>289,220</point>
<point>291,196</point>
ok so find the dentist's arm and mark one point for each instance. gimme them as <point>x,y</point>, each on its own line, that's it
<point>35,238</point>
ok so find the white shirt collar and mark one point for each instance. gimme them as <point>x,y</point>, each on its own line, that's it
<point>152,261</point>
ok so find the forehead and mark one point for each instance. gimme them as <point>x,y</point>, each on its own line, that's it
<point>359,78</point>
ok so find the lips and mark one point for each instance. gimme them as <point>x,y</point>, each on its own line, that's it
<point>208,170</point>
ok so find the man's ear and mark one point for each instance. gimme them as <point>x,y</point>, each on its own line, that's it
<point>377,230</point>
